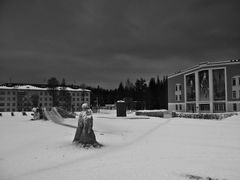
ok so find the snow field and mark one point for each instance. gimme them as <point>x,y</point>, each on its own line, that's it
<point>135,147</point>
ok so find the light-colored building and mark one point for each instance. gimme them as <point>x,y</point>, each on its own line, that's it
<point>206,87</point>
<point>25,97</point>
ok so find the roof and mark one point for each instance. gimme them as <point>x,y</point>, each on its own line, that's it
<point>204,65</point>
<point>30,87</point>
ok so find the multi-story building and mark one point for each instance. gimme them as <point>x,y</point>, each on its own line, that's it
<point>25,97</point>
<point>207,87</point>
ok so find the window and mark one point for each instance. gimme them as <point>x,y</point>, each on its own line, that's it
<point>2,98</point>
<point>2,93</point>
<point>45,104</point>
<point>176,87</point>
<point>73,99</point>
<point>180,87</point>
<point>219,107</point>
<point>8,109</point>
<point>180,97</point>
<point>14,93</point>
<point>234,96</point>
<point>77,94</point>
<point>180,107</point>
<point>234,107</point>
<point>86,99</point>
<point>77,99</point>
<point>13,98</point>
<point>41,93</point>
<point>1,110</point>
<point>176,107</point>
<point>73,94</point>
<point>204,107</point>
<point>45,99</point>
<point>13,104</point>
<point>9,92</point>
<point>176,97</point>
<point>50,99</point>
<point>8,99</point>
<point>46,93</point>
<point>13,109</point>
<point>233,81</point>
<point>2,104</point>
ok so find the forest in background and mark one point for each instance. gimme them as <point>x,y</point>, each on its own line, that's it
<point>151,95</point>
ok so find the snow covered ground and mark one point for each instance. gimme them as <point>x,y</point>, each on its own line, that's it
<point>135,147</point>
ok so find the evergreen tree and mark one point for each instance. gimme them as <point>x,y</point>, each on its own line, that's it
<point>120,92</point>
<point>152,94</point>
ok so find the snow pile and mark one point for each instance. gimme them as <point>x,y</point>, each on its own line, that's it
<point>135,147</point>
<point>154,113</point>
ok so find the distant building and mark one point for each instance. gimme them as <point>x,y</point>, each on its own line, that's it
<point>25,97</point>
<point>207,87</point>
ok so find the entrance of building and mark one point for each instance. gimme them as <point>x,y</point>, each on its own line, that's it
<point>191,107</point>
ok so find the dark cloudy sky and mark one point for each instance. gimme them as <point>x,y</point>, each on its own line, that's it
<point>103,42</point>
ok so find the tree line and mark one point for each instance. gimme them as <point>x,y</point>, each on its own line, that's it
<point>151,95</point>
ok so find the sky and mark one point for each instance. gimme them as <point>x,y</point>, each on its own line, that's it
<point>105,42</point>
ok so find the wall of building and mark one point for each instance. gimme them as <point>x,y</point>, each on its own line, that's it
<point>14,99</point>
<point>232,71</point>
<point>78,98</point>
<point>219,97</point>
<point>172,89</point>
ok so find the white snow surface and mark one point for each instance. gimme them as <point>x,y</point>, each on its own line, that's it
<point>135,147</point>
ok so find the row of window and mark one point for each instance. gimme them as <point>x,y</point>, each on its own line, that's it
<point>7,92</point>
<point>41,93</point>
<point>77,99</point>
<point>78,94</point>
<point>8,104</point>
<point>235,80</point>
<point>217,107</point>
<point>7,110</point>
<point>8,99</point>
<point>46,99</point>
<point>234,95</point>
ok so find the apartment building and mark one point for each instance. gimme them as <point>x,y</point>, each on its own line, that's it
<point>25,97</point>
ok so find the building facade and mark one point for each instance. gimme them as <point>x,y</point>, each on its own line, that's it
<point>25,97</point>
<point>207,87</point>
